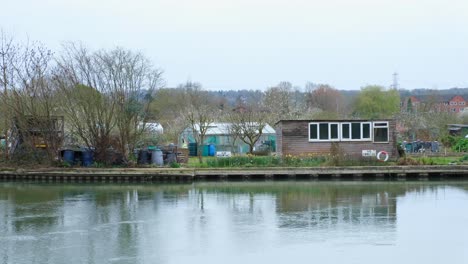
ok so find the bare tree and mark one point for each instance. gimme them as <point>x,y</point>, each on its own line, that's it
<point>233,130</point>
<point>168,108</point>
<point>8,54</point>
<point>133,81</point>
<point>108,96</point>
<point>249,124</point>
<point>32,101</point>
<point>199,113</point>
<point>87,104</point>
<point>325,98</point>
<point>278,101</point>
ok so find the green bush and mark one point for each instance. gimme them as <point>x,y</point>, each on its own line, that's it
<point>450,141</point>
<point>98,164</point>
<point>427,161</point>
<point>461,145</point>
<point>265,161</point>
<point>175,165</point>
<point>243,161</point>
<point>408,161</point>
<point>62,164</point>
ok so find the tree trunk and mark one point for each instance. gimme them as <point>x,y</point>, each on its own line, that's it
<point>251,147</point>
<point>199,153</point>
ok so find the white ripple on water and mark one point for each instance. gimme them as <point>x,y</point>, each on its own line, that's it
<point>122,259</point>
<point>19,238</point>
<point>384,244</point>
<point>26,217</point>
<point>130,222</point>
<point>62,248</point>
<point>68,232</point>
<point>107,225</point>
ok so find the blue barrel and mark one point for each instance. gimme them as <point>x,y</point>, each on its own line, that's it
<point>87,158</point>
<point>69,156</point>
<point>211,150</point>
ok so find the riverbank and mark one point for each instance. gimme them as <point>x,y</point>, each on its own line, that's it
<point>196,174</point>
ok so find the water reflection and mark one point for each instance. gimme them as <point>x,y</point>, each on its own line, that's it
<point>226,222</point>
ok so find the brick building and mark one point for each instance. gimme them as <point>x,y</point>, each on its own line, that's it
<point>451,103</point>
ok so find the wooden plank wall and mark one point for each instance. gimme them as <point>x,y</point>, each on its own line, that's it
<point>292,138</point>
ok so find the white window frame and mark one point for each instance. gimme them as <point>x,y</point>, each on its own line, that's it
<point>361,138</point>
<point>351,132</point>
<point>337,132</point>
<point>329,139</point>
<point>379,126</point>
<point>370,131</point>
<point>341,130</point>
<point>318,136</point>
<point>340,125</point>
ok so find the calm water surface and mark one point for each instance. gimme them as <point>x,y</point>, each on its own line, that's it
<point>245,222</point>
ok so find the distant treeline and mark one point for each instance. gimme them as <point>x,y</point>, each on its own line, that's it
<point>232,96</point>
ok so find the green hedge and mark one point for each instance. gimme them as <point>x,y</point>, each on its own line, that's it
<point>264,161</point>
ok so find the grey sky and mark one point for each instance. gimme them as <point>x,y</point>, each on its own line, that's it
<point>254,44</point>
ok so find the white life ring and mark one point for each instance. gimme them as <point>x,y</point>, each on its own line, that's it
<point>380,158</point>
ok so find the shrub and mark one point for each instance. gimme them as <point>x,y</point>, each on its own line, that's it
<point>461,145</point>
<point>408,161</point>
<point>98,164</point>
<point>401,150</point>
<point>175,165</point>
<point>449,140</point>
<point>265,161</point>
<point>336,155</point>
<point>241,161</point>
<point>427,161</point>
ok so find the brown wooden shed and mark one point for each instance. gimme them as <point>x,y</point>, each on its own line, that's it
<point>353,137</point>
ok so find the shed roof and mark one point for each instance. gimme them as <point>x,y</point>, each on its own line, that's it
<point>334,120</point>
<point>457,125</point>
<point>223,129</point>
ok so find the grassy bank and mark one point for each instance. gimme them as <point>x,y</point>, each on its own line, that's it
<point>315,161</point>
<point>250,161</point>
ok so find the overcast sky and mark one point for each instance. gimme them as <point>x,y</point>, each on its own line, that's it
<point>254,44</point>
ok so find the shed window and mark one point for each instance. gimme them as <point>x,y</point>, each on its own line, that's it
<point>334,131</point>
<point>366,131</point>
<point>348,131</point>
<point>345,131</point>
<point>313,135</point>
<point>324,132</point>
<point>360,131</point>
<point>380,131</point>
<point>355,130</point>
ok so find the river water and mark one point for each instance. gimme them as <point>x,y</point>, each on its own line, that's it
<point>235,222</point>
